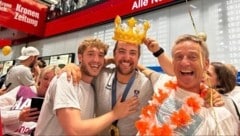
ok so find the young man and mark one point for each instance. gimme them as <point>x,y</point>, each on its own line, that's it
<point>123,80</point>
<point>69,110</point>
<point>21,74</point>
<point>177,107</point>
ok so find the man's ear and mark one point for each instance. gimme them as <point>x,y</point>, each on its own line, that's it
<point>207,62</point>
<point>31,58</point>
<point>80,58</point>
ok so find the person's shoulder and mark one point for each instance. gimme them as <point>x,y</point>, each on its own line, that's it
<point>13,91</point>
<point>51,91</point>
<point>140,75</point>
<point>236,90</point>
<point>105,72</point>
<point>20,68</point>
<point>220,113</point>
<point>235,93</point>
<point>141,79</point>
<point>62,80</point>
<point>63,76</point>
<point>216,119</point>
<point>10,94</point>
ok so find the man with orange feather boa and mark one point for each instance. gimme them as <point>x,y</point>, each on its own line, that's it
<point>177,107</point>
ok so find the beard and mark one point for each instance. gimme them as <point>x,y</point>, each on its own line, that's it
<point>85,70</point>
<point>32,64</point>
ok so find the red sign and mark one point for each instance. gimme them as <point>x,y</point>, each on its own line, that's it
<point>100,13</point>
<point>24,15</point>
<point>4,42</point>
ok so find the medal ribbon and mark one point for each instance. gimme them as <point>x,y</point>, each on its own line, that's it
<point>126,90</point>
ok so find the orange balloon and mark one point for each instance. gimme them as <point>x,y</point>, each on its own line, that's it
<point>6,50</point>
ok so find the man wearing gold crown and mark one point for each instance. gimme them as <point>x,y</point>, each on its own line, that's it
<point>124,80</point>
<point>177,107</point>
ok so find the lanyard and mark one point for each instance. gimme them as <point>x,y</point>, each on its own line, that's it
<point>126,90</point>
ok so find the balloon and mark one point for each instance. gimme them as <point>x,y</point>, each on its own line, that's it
<point>6,50</point>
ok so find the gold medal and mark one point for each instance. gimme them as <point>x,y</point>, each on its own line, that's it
<point>114,131</point>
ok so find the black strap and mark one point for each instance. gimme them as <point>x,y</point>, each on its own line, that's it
<point>114,91</point>
<point>236,108</point>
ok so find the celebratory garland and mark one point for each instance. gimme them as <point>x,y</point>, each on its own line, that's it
<point>180,118</point>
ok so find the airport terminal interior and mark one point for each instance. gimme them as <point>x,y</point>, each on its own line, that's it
<point>57,27</point>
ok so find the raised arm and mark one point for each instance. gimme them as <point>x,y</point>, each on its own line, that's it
<point>164,61</point>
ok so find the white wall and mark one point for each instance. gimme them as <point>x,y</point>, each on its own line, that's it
<point>214,17</point>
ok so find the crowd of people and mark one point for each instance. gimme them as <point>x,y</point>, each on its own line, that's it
<point>193,97</point>
<point>67,6</point>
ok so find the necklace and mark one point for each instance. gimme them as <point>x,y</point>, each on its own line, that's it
<point>180,118</point>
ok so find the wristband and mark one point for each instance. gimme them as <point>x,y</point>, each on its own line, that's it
<point>158,53</point>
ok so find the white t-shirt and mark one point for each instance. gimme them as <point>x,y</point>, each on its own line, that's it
<point>233,104</point>
<point>209,121</point>
<point>235,96</point>
<point>19,75</point>
<point>62,94</point>
<point>104,98</point>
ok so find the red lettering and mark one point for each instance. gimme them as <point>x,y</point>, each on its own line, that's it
<point>23,130</point>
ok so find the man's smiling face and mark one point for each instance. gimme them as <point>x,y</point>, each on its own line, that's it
<point>189,64</point>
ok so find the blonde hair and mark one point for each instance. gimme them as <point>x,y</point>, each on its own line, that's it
<point>92,42</point>
<point>50,68</point>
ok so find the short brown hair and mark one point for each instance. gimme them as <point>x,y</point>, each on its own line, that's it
<point>225,77</point>
<point>195,39</point>
<point>92,42</point>
<point>115,48</point>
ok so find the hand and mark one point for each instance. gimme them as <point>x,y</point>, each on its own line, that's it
<point>216,98</point>
<point>109,61</point>
<point>29,114</point>
<point>151,44</point>
<point>123,109</point>
<point>2,91</point>
<point>73,71</point>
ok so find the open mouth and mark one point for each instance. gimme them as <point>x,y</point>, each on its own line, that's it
<point>187,73</point>
<point>95,66</point>
<point>125,64</point>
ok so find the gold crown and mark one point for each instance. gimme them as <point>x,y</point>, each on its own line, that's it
<point>132,32</point>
